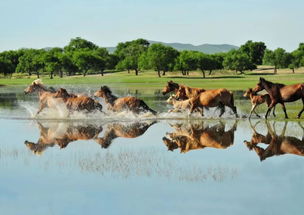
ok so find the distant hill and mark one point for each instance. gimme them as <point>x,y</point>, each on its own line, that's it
<point>206,48</point>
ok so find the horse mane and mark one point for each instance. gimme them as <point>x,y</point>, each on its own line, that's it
<point>106,89</point>
<point>176,85</point>
<point>38,82</point>
<point>271,83</point>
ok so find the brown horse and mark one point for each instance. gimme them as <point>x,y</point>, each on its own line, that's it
<point>46,95</point>
<point>116,104</point>
<point>257,100</point>
<point>199,137</point>
<point>189,92</point>
<point>277,144</point>
<point>213,98</point>
<point>280,93</point>
<point>78,102</point>
<point>62,134</point>
<point>127,130</point>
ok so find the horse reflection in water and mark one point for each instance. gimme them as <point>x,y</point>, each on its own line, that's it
<point>62,134</point>
<point>276,144</point>
<point>124,130</point>
<point>199,136</point>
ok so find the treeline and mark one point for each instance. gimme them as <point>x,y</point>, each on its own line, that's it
<point>81,56</point>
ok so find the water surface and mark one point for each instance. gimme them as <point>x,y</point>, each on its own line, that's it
<point>169,164</point>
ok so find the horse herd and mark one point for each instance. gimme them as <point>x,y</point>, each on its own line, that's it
<point>184,98</point>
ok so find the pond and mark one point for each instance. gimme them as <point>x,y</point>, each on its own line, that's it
<point>125,164</point>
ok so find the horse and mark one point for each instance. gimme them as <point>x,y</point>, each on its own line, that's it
<point>78,102</point>
<point>116,104</point>
<point>127,130</point>
<point>46,95</point>
<point>257,100</point>
<point>179,105</point>
<point>277,144</point>
<point>190,92</point>
<point>62,134</point>
<point>280,93</point>
<point>218,98</point>
<point>199,137</point>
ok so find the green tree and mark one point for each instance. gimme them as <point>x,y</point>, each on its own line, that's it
<point>279,58</point>
<point>79,43</point>
<point>160,58</point>
<point>129,54</point>
<point>187,61</point>
<point>6,66</point>
<point>255,52</point>
<point>237,60</point>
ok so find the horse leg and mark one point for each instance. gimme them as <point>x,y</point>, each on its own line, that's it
<point>41,107</point>
<point>300,113</point>
<point>253,110</point>
<point>222,108</point>
<point>269,109</point>
<point>273,112</point>
<point>284,109</point>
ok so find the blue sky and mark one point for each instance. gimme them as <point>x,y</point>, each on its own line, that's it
<point>48,23</point>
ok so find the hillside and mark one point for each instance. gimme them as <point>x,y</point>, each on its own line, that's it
<point>206,48</point>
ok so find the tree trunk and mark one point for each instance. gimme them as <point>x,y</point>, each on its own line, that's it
<point>293,70</point>
<point>164,72</point>
<point>84,74</point>
<point>203,71</point>
<point>275,69</point>
<point>60,74</point>
<point>128,71</point>
<point>158,72</point>
<point>187,72</point>
<point>136,71</point>
<point>38,75</point>
<point>101,72</point>
<point>210,71</point>
<point>51,75</point>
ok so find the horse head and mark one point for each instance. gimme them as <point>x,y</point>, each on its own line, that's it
<point>260,86</point>
<point>171,86</point>
<point>181,93</point>
<point>248,93</point>
<point>103,92</point>
<point>35,85</point>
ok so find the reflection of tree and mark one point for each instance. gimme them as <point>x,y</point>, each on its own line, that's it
<point>125,130</point>
<point>276,144</point>
<point>199,136</point>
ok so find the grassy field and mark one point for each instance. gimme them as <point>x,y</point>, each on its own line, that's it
<point>219,79</point>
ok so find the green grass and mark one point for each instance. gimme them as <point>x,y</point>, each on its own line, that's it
<point>223,79</point>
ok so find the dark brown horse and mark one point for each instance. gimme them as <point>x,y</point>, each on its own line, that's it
<point>280,93</point>
<point>276,144</point>
<point>116,104</point>
<point>199,136</point>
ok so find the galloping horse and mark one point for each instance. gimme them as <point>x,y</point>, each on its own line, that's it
<point>46,95</point>
<point>78,102</point>
<point>280,93</point>
<point>116,104</point>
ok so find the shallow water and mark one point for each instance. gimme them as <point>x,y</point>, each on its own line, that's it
<point>124,164</point>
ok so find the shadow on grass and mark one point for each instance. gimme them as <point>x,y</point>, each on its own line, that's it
<point>218,77</point>
<point>260,73</point>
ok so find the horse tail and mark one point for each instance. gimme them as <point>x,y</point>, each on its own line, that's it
<point>146,107</point>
